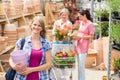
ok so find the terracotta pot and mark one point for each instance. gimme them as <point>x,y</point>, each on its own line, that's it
<point>8,27</point>
<point>105,50</point>
<point>99,47</point>
<point>115,69</point>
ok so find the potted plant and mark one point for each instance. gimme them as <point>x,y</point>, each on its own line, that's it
<point>116,65</point>
<point>114,6</point>
<point>102,15</point>
<point>62,34</point>
<point>103,27</point>
<point>115,35</point>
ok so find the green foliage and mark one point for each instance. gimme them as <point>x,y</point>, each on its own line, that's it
<point>114,5</point>
<point>103,26</point>
<point>117,62</point>
<point>115,32</point>
<point>65,61</point>
<point>60,36</point>
<point>102,13</point>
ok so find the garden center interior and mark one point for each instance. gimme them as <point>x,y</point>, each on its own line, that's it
<point>103,58</point>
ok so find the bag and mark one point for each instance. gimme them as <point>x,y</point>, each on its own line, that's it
<point>11,73</point>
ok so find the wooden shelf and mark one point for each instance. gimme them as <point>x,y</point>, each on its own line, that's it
<point>17,17</point>
<point>3,20</point>
<point>28,14</point>
<point>37,12</point>
<point>4,57</point>
<point>6,49</point>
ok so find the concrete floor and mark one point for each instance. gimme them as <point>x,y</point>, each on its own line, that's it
<point>91,74</point>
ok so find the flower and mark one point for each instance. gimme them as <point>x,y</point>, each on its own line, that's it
<point>60,34</point>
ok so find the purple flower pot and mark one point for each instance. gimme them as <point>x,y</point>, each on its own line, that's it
<point>19,56</point>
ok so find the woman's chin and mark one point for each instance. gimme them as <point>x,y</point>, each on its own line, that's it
<point>36,32</point>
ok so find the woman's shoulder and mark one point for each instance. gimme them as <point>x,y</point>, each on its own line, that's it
<point>69,22</point>
<point>90,23</point>
<point>44,40</point>
<point>46,43</point>
<point>58,21</point>
<point>27,39</point>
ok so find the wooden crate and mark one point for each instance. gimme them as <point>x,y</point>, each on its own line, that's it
<point>10,27</point>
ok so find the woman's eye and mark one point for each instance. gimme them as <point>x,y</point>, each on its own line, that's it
<point>34,24</point>
<point>39,26</point>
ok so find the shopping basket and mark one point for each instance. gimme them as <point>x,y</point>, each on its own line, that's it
<point>62,53</point>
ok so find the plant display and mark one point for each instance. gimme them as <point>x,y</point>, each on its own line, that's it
<point>115,32</point>
<point>102,13</point>
<point>103,26</point>
<point>60,34</point>
<point>117,63</point>
<point>65,54</point>
<point>114,5</point>
<point>64,57</point>
<point>115,36</point>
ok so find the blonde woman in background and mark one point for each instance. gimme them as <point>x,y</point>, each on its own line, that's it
<point>64,20</point>
<point>39,51</point>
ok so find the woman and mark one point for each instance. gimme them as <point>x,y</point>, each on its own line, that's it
<point>64,20</point>
<point>39,51</point>
<point>82,37</point>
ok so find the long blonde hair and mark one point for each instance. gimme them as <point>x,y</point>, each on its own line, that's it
<point>42,23</point>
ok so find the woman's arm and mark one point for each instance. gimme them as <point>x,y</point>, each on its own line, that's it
<point>75,34</point>
<point>82,37</point>
<point>86,37</point>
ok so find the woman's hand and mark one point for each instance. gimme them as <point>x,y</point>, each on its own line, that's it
<point>27,71</point>
<point>19,68</point>
<point>74,35</point>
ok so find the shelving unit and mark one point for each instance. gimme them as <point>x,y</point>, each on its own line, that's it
<point>17,17</point>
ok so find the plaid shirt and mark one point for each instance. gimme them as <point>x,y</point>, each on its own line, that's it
<point>43,75</point>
